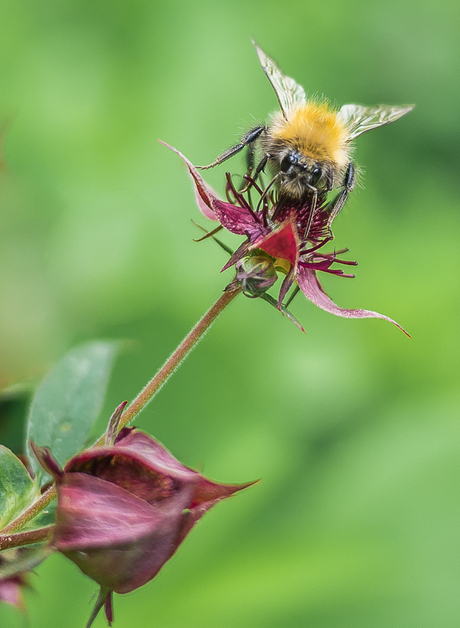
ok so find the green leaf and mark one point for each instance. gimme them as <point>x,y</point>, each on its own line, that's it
<point>17,489</point>
<point>68,402</point>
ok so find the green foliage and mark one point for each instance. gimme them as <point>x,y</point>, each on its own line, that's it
<point>17,489</point>
<point>68,402</point>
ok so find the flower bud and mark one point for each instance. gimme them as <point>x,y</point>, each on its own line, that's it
<point>256,273</point>
<point>123,510</point>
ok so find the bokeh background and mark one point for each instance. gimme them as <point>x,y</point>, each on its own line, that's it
<point>353,428</point>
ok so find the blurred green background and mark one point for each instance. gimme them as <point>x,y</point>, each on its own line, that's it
<point>353,428</point>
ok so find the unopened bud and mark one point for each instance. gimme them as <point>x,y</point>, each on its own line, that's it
<point>256,274</point>
<point>124,509</point>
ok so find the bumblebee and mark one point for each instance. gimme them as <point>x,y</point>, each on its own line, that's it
<point>308,144</point>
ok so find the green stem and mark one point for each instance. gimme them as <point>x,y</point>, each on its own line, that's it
<point>140,401</point>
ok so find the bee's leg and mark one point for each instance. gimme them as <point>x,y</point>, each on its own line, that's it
<point>251,156</point>
<point>279,206</point>
<point>248,139</point>
<point>348,184</point>
<point>260,166</point>
<point>314,200</point>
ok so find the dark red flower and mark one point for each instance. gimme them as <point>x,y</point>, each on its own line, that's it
<point>286,231</point>
<point>123,510</point>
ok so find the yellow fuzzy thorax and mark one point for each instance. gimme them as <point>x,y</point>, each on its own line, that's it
<point>314,130</point>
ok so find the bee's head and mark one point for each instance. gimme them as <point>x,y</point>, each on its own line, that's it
<point>298,175</point>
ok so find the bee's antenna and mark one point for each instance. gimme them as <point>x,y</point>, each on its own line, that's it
<point>312,211</point>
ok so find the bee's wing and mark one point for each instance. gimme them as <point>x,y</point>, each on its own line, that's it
<point>288,92</point>
<point>360,119</point>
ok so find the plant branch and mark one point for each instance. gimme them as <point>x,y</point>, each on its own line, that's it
<point>7,541</point>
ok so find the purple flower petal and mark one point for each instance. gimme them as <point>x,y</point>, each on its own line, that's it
<point>204,193</point>
<point>138,464</point>
<point>236,219</point>
<point>206,494</point>
<point>155,454</point>
<point>114,537</point>
<point>313,290</point>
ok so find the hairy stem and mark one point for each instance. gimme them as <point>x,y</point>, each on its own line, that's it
<point>7,541</point>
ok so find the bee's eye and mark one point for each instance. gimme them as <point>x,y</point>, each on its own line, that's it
<point>288,161</point>
<point>315,176</point>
